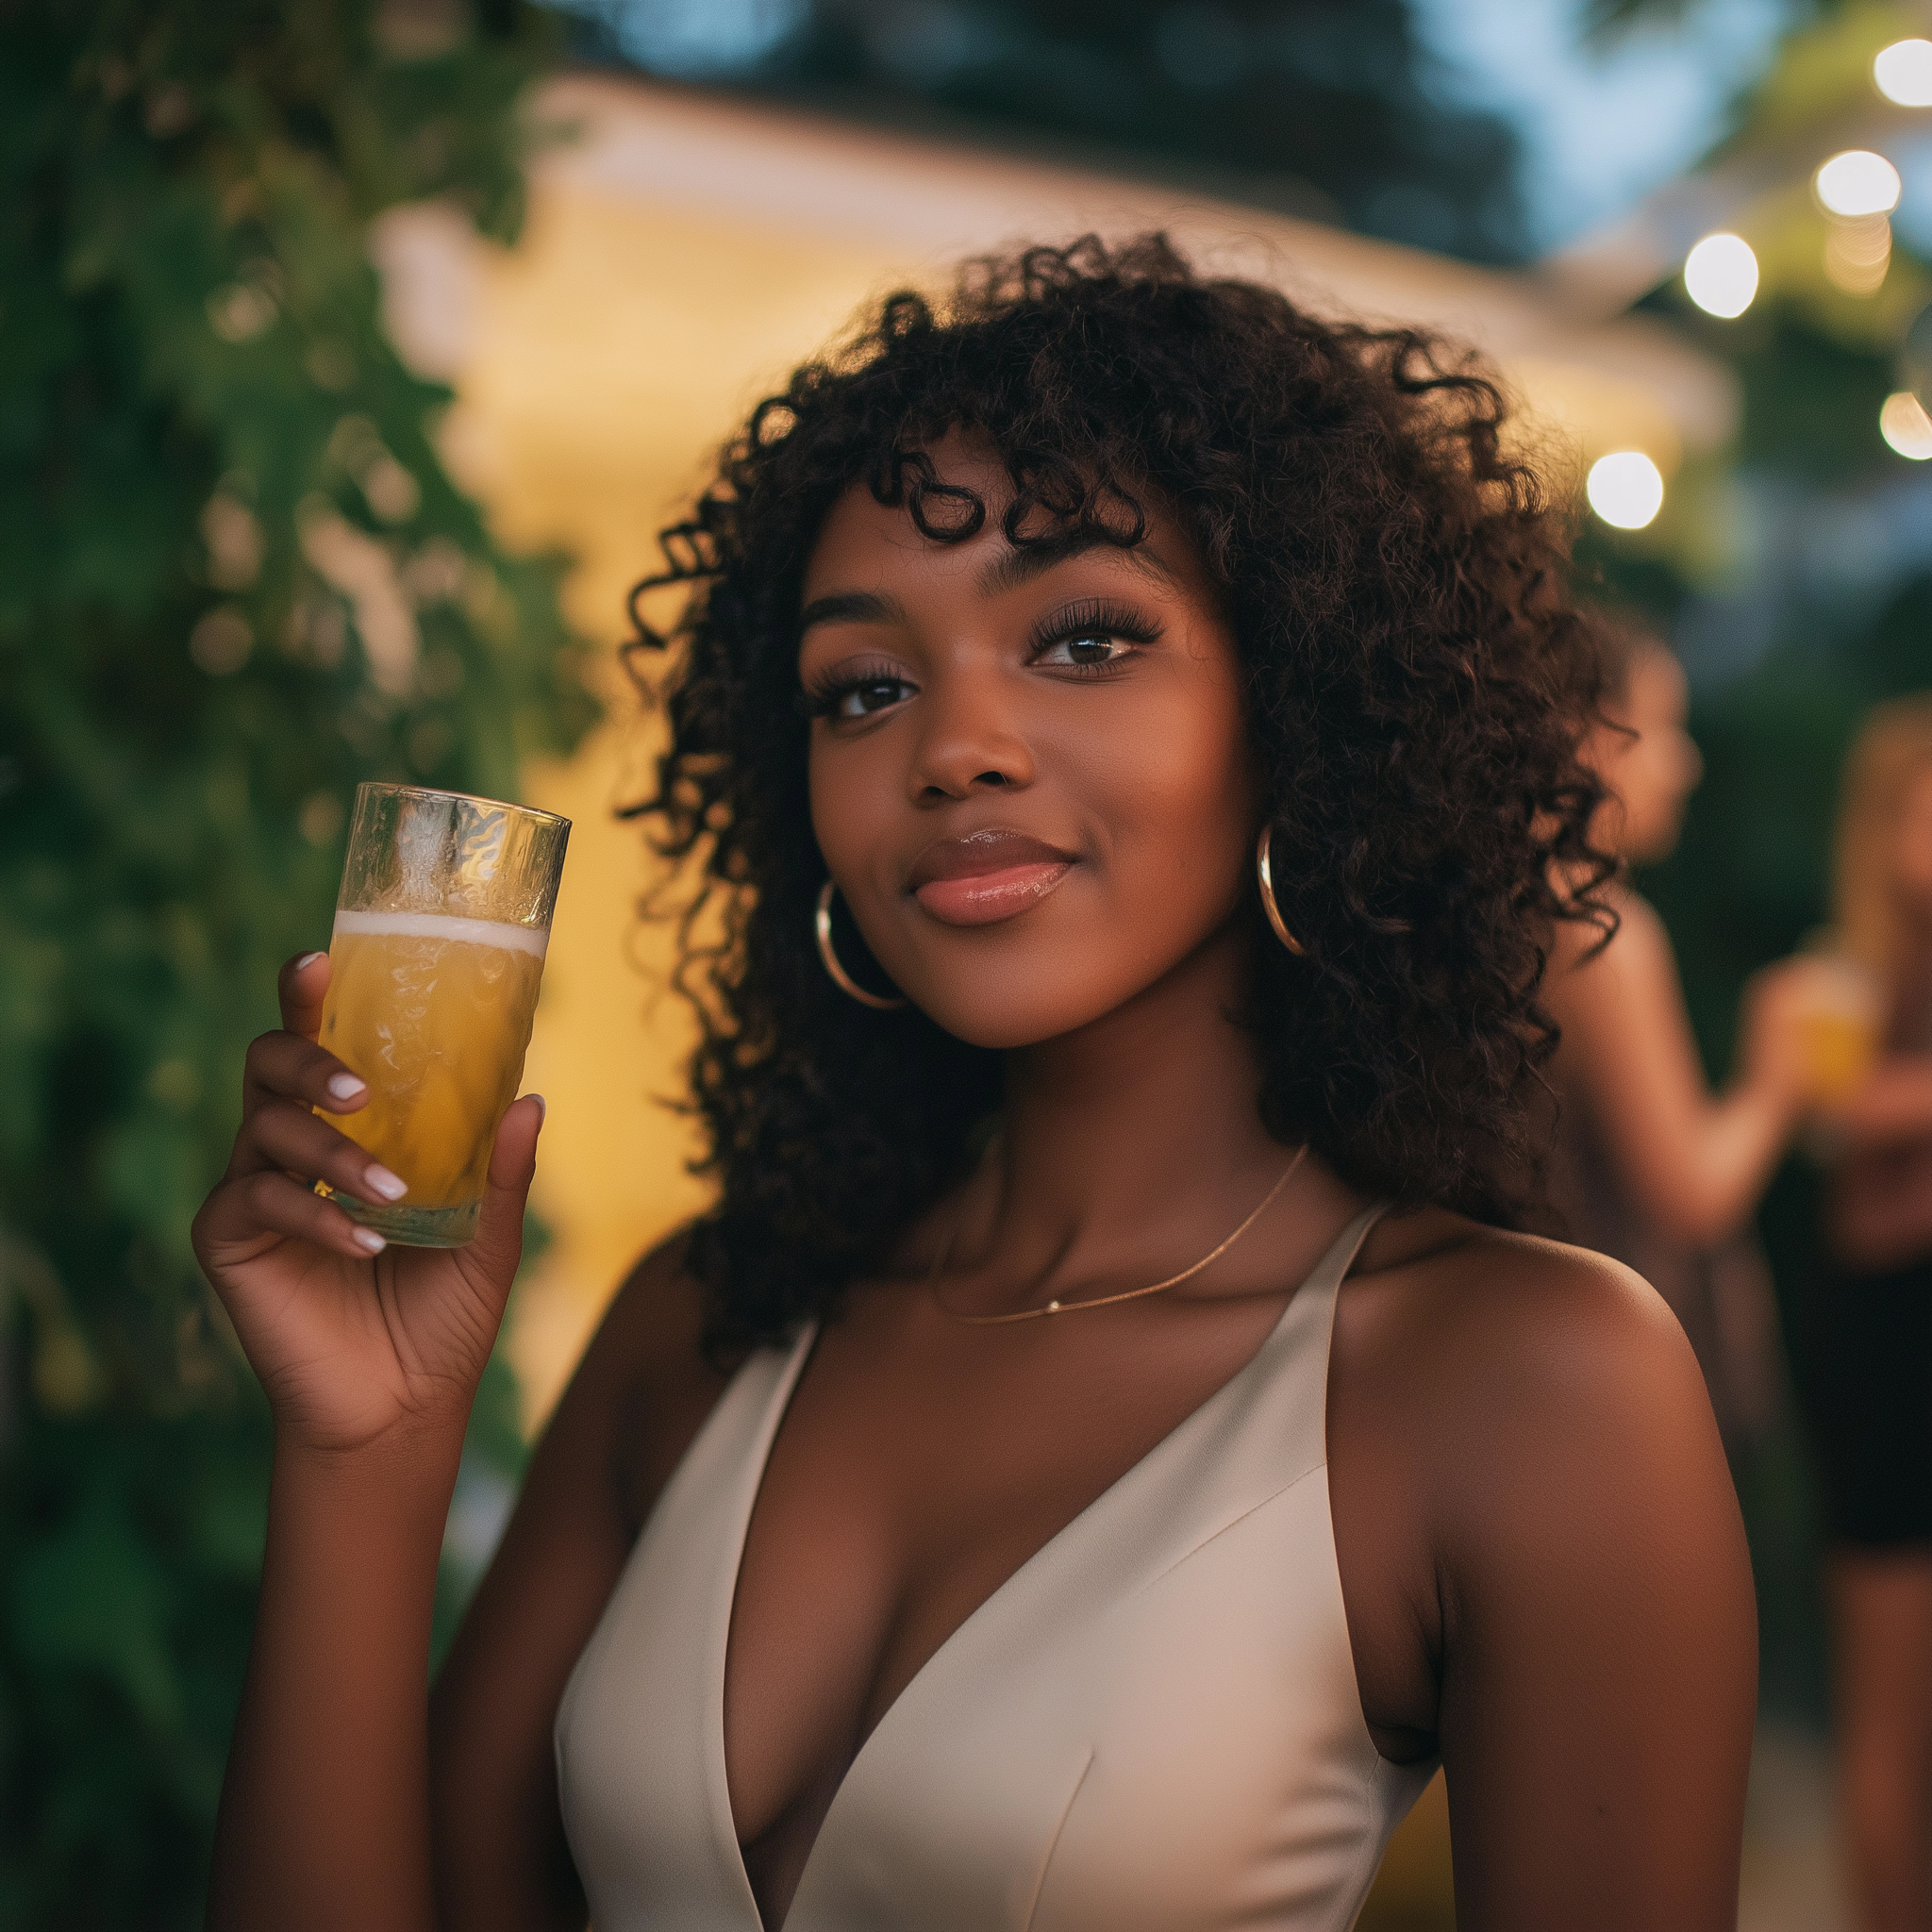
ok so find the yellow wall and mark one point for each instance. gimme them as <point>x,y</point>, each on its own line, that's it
<point>611,353</point>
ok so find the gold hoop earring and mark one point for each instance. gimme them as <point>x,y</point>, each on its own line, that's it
<point>1265,876</point>
<point>821,926</point>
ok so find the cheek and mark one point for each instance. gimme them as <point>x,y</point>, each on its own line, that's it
<point>1172,788</point>
<point>854,792</point>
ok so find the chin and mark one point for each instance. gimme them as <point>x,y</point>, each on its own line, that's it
<point>1007,996</point>
<point>1002,1017</point>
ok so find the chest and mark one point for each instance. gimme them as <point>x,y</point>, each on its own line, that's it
<point>916,1470</point>
<point>1152,1721</point>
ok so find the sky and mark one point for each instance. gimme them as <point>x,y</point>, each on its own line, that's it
<point>1600,130</point>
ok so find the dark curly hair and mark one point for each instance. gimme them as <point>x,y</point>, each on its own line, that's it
<point>1418,681</point>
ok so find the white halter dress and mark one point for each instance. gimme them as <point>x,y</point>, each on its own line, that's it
<point>1153,1725</point>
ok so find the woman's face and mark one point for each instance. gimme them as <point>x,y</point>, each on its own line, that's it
<point>1029,769</point>
<point>1652,775</point>
<point>1913,847</point>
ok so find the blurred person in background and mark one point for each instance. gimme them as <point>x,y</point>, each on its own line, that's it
<point>1650,1165</point>
<point>1866,1372</point>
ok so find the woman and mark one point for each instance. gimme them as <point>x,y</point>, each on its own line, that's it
<point>1654,1168</point>
<point>1865,1368</point>
<point>1174,698</point>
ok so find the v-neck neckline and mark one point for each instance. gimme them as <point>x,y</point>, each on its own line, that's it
<point>778,1405</point>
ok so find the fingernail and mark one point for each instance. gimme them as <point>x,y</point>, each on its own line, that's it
<point>344,1085</point>
<point>391,1187</point>
<point>542,1108</point>
<point>308,959</point>
<point>368,1240</point>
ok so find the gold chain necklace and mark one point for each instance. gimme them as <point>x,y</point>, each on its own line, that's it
<point>1101,1301</point>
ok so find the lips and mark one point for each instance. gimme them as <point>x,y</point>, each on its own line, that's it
<point>986,876</point>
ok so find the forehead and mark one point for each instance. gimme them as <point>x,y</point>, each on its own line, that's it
<point>864,543</point>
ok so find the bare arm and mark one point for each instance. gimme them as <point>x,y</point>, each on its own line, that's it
<point>640,1393</point>
<point>1600,1644</point>
<point>1695,1162</point>
<point>1546,1574</point>
<point>370,1364</point>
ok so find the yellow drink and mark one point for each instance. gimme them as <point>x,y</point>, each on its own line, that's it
<point>434,1012</point>
<point>1839,1046</point>
<point>1839,1026</point>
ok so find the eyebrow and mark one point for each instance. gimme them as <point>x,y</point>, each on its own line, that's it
<point>1007,572</point>
<point>852,607</point>
<point>1021,564</point>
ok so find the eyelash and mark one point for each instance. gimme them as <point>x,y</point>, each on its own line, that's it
<point>1093,618</point>
<point>823,696</point>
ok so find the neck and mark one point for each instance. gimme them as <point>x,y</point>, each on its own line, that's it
<point>1134,1142</point>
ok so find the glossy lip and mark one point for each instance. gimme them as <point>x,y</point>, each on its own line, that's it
<point>986,876</point>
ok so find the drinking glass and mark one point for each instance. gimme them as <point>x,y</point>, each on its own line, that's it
<point>440,929</point>
<point>1840,1020</point>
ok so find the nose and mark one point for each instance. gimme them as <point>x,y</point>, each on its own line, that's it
<point>970,738</point>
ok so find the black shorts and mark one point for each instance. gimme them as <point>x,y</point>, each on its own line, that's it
<point>1864,1375</point>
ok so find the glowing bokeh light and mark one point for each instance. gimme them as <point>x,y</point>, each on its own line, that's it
<point>1625,489</point>
<point>1903,73</point>
<point>1721,274</point>
<point>1903,424</point>
<point>1857,254</point>
<point>1857,182</point>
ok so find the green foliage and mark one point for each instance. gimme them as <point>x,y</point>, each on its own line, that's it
<point>234,580</point>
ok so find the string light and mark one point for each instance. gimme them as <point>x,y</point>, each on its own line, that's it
<point>1903,424</point>
<point>1857,182</point>
<point>1857,254</point>
<point>1721,274</point>
<point>1625,489</point>
<point>1902,73</point>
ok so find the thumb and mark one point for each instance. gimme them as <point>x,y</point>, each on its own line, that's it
<point>498,1245</point>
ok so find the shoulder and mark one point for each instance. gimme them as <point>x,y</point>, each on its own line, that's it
<point>1520,1443</point>
<point>1593,988</point>
<point>1578,944</point>
<point>1504,1371</point>
<point>1505,1331</point>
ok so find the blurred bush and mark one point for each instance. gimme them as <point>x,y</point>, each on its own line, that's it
<point>234,580</point>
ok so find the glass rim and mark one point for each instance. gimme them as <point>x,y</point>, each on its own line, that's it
<point>398,789</point>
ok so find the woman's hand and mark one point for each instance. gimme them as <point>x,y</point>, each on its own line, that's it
<point>1773,1055</point>
<point>355,1343</point>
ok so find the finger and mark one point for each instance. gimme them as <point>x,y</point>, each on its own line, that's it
<point>499,1241</point>
<point>285,1135</point>
<point>244,1216</point>
<point>301,989</point>
<point>287,1066</point>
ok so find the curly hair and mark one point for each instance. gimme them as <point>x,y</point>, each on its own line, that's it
<point>1416,682</point>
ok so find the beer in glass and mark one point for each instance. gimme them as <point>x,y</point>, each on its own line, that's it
<point>434,964</point>
<point>1840,1023</point>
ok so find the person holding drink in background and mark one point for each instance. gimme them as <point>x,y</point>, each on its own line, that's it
<point>1650,1165</point>
<point>1864,1369</point>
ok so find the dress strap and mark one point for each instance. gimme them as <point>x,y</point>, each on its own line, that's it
<point>1294,1359</point>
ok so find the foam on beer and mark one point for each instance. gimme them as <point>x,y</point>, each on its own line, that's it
<point>448,931</point>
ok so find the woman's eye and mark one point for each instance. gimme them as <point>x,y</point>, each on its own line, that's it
<point>874,694</point>
<point>1090,648</point>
